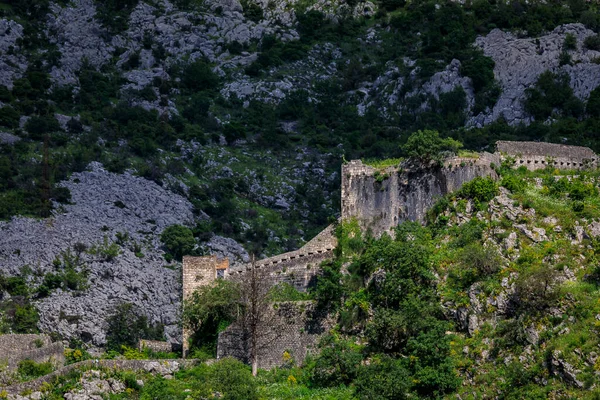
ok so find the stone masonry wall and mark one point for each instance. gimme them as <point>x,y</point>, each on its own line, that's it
<point>19,343</point>
<point>298,268</point>
<point>38,348</point>
<point>537,155</point>
<point>381,199</point>
<point>155,346</point>
<point>197,272</point>
<point>54,353</point>
<point>299,326</point>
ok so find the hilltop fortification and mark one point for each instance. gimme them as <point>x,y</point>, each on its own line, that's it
<point>379,199</point>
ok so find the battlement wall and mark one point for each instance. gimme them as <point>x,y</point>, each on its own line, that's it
<point>380,199</point>
<point>298,268</point>
<point>538,155</point>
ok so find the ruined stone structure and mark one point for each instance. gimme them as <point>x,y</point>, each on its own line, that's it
<point>299,326</point>
<point>298,268</point>
<point>380,199</point>
<point>538,155</point>
<point>156,346</point>
<point>38,348</point>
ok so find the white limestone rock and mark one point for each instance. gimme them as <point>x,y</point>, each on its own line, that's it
<point>520,61</point>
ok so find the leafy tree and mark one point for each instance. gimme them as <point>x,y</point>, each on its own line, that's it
<point>535,291</point>
<point>127,325</point>
<point>593,104</point>
<point>479,189</point>
<point>178,240</point>
<point>428,146</point>
<point>384,378</point>
<point>337,363</point>
<point>592,42</point>
<point>480,69</point>
<point>209,310</point>
<point>198,76</point>
<point>552,92</point>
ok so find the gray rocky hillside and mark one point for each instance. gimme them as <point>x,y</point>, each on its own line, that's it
<point>119,119</point>
<point>159,35</point>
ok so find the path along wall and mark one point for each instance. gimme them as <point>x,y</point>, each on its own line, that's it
<point>380,199</point>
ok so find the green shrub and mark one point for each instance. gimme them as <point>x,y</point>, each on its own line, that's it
<point>252,11</point>
<point>209,310</point>
<point>198,76</point>
<point>107,250</point>
<point>570,42</point>
<point>233,379</point>
<point>384,378</point>
<point>427,146</point>
<point>552,92</point>
<point>592,107</point>
<point>479,189</point>
<point>336,364</point>
<point>287,292</point>
<point>513,183</point>
<point>127,325</point>
<point>468,233</point>
<point>25,318</point>
<point>592,42</point>
<point>178,240</point>
<point>29,369</point>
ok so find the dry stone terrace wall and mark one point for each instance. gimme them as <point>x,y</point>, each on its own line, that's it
<point>39,348</point>
<point>537,155</point>
<point>381,199</point>
<point>18,343</point>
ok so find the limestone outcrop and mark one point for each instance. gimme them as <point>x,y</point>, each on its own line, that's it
<point>103,205</point>
<point>520,61</point>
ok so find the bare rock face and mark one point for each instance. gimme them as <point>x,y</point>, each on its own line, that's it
<point>104,206</point>
<point>520,61</point>
<point>79,36</point>
<point>7,138</point>
<point>12,65</point>
<point>447,81</point>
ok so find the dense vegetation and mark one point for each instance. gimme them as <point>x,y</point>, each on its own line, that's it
<point>397,303</point>
<point>122,136</point>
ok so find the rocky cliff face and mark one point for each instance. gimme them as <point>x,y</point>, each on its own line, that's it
<point>520,61</point>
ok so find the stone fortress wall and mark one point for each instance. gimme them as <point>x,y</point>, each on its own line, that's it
<point>38,348</point>
<point>538,155</point>
<point>299,325</point>
<point>298,268</point>
<point>379,199</point>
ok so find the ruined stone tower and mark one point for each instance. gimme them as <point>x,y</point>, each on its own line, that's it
<point>199,272</point>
